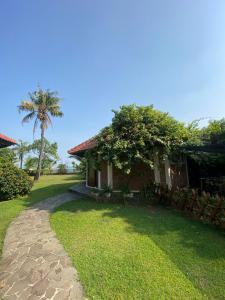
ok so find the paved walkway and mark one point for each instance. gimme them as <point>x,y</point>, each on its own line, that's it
<point>34,264</point>
<point>81,189</point>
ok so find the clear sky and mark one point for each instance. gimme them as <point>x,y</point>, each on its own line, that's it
<point>104,53</point>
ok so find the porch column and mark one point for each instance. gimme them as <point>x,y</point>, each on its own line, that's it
<point>168,173</point>
<point>110,175</point>
<point>156,168</point>
<point>99,179</point>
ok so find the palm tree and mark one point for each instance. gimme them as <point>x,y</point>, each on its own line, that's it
<point>21,149</point>
<point>42,105</point>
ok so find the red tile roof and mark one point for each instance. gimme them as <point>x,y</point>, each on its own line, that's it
<point>6,141</point>
<point>89,144</point>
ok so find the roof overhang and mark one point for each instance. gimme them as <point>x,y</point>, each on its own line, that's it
<point>79,150</point>
<point>5,141</point>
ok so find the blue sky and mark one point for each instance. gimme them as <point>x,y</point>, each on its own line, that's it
<point>101,54</point>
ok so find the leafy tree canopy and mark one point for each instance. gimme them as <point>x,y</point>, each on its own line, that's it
<point>210,137</point>
<point>41,106</point>
<point>136,133</point>
<point>62,168</point>
<point>214,133</point>
<point>50,155</point>
<point>21,149</point>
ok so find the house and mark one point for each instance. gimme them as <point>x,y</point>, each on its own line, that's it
<point>6,141</point>
<point>165,172</point>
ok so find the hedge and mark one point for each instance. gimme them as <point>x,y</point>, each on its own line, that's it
<point>14,182</point>
<point>201,205</point>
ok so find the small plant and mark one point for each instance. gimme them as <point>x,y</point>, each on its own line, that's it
<point>107,191</point>
<point>95,194</point>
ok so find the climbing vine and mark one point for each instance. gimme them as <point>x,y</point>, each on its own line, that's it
<point>136,133</point>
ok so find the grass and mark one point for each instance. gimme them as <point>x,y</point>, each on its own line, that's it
<point>134,253</point>
<point>46,187</point>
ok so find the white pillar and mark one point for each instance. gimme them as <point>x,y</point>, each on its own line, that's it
<point>168,173</point>
<point>156,168</point>
<point>110,175</point>
<point>99,179</point>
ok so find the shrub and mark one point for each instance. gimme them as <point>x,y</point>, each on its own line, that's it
<point>203,206</point>
<point>13,181</point>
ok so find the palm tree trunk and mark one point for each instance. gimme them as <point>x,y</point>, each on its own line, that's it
<point>38,173</point>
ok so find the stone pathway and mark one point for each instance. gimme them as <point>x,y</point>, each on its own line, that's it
<point>81,189</point>
<point>34,265</point>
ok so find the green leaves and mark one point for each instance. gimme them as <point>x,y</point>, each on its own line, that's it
<point>214,133</point>
<point>42,105</point>
<point>135,133</point>
<point>50,155</point>
<point>13,181</point>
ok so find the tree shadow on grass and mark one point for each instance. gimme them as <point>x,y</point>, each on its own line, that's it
<point>175,234</point>
<point>185,241</point>
<point>160,223</point>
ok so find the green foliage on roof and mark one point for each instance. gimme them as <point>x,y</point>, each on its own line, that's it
<point>137,133</point>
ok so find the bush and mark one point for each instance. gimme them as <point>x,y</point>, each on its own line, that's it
<point>203,206</point>
<point>13,181</point>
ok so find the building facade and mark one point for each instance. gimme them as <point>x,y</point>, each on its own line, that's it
<point>165,172</point>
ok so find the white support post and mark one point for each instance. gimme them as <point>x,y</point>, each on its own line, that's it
<point>156,169</point>
<point>168,173</point>
<point>110,175</point>
<point>99,179</point>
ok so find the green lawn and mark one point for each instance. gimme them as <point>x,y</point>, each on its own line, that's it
<point>46,187</point>
<point>134,253</point>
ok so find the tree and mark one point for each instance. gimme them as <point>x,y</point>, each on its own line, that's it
<point>74,166</point>
<point>42,105</point>
<point>31,163</point>
<point>21,149</point>
<point>214,133</point>
<point>62,169</point>
<point>136,134</point>
<point>50,155</point>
